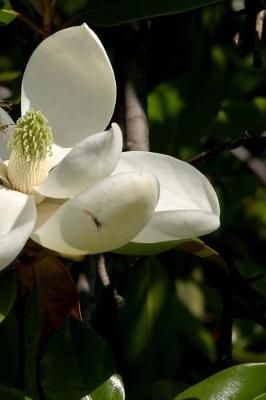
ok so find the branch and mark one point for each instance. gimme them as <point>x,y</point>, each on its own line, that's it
<point>227,145</point>
<point>257,166</point>
<point>134,49</point>
<point>30,23</point>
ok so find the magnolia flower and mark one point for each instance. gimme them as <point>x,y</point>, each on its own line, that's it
<point>67,184</point>
<point>57,185</point>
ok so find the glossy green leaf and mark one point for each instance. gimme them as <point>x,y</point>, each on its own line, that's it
<point>165,390</point>
<point>7,15</point>
<point>113,12</point>
<point>76,362</point>
<point>112,389</point>
<point>241,382</point>
<point>8,292</point>
<point>9,354</point>
<point>8,393</point>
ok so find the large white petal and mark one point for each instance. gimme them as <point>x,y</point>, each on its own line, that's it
<point>102,218</point>
<point>188,205</point>
<point>6,127</point>
<point>70,79</point>
<point>17,219</point>
<point>91,160</point>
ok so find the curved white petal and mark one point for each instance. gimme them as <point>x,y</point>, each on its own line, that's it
<point>188,205</point>
<point>6,127</point>
<point>70,79</point>
<point>58,153</point>
<point>91,160</point>
<point>102,218</point>
<point>17,219</point>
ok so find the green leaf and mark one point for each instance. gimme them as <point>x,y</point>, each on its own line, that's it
<point>241,382</point>
<point>197,247</point>
<point>145,249</point>
<point>9,339</point>
<point>147,325</point>
<point>7,76</point>
<point>7,15</point>
<point>107,12</point>
<point>193,246</point>
<point>8,290</point>
<point>112,389</point>
<point>165,390</point>
<point>76,362</point>
<point>7,393</point>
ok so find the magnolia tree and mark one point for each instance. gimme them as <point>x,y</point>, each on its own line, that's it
<point>89,226</point>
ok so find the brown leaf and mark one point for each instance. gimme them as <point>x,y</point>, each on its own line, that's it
<point>56,289</point>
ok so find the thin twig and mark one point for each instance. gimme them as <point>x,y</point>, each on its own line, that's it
<point>103,274</point>
<point>30,23</point>
<point>47,18</point>
<point>227,145</point>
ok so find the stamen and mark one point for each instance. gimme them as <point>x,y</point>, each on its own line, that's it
<point>31,144</point>
<point>32,138</point>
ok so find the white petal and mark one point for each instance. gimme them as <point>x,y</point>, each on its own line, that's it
<point>176,225</point>
<point>17,219</point>
<point>188,205</point>
<point>6,127</point>
<point>58,153</point>
<point>91,160</point>
<point>102,218</point>
<point>70,79</point>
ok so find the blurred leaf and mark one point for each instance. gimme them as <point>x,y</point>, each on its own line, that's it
<point>165,390</point>
<point>113,12</point>
<point>32,331</point>
<point>7,393</point>
<point>112,389</point>
<point>9,339</point>
<point>193,331</point>
<point>237,117</point>
<point>8,290</point>
<point>75,363</point>
<point>7,76</point>
<point>241,382</point>
<point>147,327</point>
<point>7,15</point>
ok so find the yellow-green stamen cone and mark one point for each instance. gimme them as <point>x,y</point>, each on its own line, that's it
<point>31,144</point>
